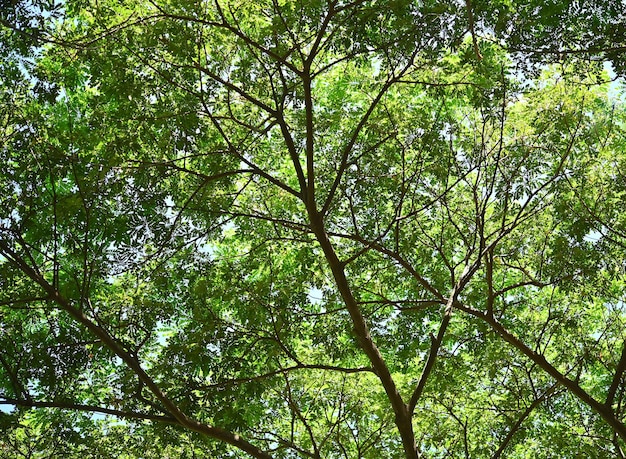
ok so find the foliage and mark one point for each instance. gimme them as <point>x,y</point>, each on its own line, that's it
<point>312,229</point>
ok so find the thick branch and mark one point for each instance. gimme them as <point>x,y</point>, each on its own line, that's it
<point>310,169</point>
<point>617,378</point>
<point>130,360</point>
<point>432,357</point>
<point>470,18</point>
<point>361,330</point>
<point>572,386</point>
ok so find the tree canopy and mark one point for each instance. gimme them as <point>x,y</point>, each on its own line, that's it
<point>323,229</point>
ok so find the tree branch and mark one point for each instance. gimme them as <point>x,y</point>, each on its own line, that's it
<point>130,360</point>
<point>617,378</point>
<point>572,386</point>
<point>91,408</point>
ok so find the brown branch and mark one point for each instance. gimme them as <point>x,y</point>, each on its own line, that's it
<point>130,360</point>
<point>617,378</point>
<point>17,386</point>
<point>91,408</point>
<point>438,340</point>
<point>233,87</point>
<point>470,18</point>
<point>295,409</point>
<point>310,134</point>
<point>432,356</point>
<point>397,257</point>
<point>255,169</point>
<point>34,299</point>
<point>572,386</point>
<point>299,366</point>
<point>225,25</point>
<point>364,338</point>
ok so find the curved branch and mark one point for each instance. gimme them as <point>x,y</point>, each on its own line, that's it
<point>300,366</point>
<point>364,338</point>
<point>91,408</point>
<point>572,386</point>
<point>130,360</point>
<point>617,378</point>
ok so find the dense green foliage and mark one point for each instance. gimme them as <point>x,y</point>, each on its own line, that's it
<point>323,229</point>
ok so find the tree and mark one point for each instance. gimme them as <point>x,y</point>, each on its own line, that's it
<point>312,229</point>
